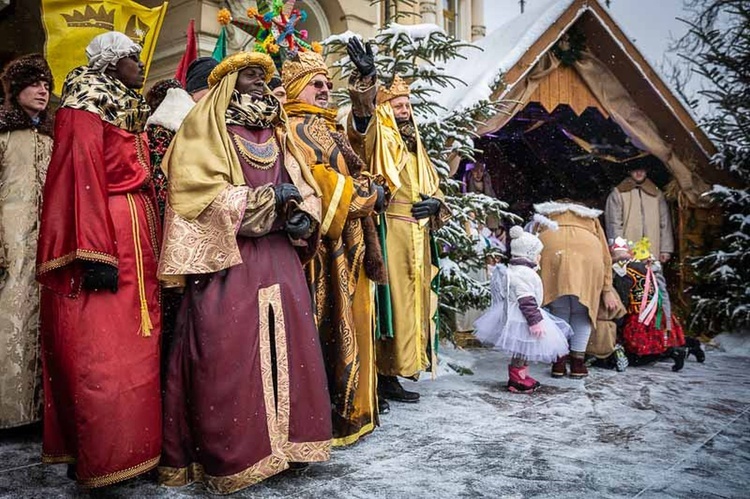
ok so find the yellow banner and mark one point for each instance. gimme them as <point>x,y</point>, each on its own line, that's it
<point>71,24</point>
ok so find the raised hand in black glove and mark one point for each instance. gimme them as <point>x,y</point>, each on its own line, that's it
<point>285,193</point>
<point>299,225</point>
<point>361,56</point>
<point>380,201</point>
<point>98,276</point>
<point>425,208</point>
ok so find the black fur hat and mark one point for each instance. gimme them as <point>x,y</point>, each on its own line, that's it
<point>22,72</point>
<point>158,92</point>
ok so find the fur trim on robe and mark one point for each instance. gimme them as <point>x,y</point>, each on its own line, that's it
<point>557,207</point>
<point>173,109</point>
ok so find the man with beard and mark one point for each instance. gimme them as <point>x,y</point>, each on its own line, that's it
<point>349,256</point>
<point>96,260</point>
<point>246,392</point>
<point>635,209</point>
<point>394,151</point>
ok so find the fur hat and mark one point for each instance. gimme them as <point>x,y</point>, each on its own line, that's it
<point>22,72</point>
<point>156,95</point>
<point>524,244</point>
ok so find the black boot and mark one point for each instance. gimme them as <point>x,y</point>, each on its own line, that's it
<point>383,406</point>
<point>71,472</point>
<point>694,348</point>
<point>678,354</point>
<point>389,388</point>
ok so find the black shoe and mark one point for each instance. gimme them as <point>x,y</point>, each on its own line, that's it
<point>294,466</point>
<point>694,348</point>
<point>390,388</point>
<point>71,472</point>
<point>678,355</point>
<point>383,406</point>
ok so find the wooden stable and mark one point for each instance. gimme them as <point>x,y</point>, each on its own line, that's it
<point>601,90</point>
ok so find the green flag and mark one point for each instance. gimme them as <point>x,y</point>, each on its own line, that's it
<point>220,50</point>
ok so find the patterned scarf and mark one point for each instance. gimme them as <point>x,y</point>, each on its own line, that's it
<point>98,93</point>
<point>295,107</point>
<point>408,135</point>
<point>246,111</point>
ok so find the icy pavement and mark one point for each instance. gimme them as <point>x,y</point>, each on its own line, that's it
<point>647,432</point>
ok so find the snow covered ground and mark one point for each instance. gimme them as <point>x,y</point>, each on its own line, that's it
<point>647,432</point>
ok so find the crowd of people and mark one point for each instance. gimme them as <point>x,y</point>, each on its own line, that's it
<point>592,295</point>
<point>221,281</point>
<point>218,279</point>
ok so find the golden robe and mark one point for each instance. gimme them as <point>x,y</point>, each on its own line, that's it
<point>343,296</point>
<point>413,304</point>
<point>24,157</point>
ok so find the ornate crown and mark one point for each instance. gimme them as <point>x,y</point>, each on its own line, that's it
<point>302,64</point>
<point>91,18</point>
<point>240,61</point>
<point>399,88</point>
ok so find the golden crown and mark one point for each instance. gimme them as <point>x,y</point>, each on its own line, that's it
<point>399,88</point>
<point>304,63</point>
<point>240,61</point>
<point>91,18</point>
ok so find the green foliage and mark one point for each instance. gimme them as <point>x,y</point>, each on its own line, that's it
<point>717,47</point>
<point>419,54</point>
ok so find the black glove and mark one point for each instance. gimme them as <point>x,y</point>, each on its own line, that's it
<point>425,208</point>
<point>298,225</point>
<point>361,56</point>
<point>98,276</point>
<point>380,201</point>
<point>285,193</point>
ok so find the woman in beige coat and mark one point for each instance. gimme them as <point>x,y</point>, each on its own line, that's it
<point>25,149</point>
<point>576,272</point>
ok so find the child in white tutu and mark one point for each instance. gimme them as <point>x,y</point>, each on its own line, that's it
<point>516,323</point>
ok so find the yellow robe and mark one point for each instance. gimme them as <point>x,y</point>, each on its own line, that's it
<point>410,269</point>
<point>343,296</point>
<point>413,303</point>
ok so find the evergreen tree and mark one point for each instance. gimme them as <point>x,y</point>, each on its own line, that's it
<point>717,48</point>
<point>419,53</point>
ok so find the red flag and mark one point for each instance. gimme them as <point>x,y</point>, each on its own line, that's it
<point>191,54</point>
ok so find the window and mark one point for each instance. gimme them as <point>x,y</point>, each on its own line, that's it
<point>450,17</point>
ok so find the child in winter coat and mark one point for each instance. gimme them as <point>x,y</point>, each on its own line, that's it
<point>516,323</point>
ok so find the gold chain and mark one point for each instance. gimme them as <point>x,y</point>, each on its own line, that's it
<point>265,162</point>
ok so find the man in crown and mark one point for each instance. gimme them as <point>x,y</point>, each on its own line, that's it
<point>349,257</point>
<point>246,393</point>
<point>96,261</point>
<point>390,142</point>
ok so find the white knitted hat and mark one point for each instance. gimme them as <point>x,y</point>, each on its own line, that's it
<point>524,245</point>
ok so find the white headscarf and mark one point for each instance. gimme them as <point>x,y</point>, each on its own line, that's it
<point>108,48</point>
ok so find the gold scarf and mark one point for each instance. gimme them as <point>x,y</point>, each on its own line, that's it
<point>202,161</point>
<point>251,113</point>
<point>296,108</point>
<point>98,93</point>
<point>390,153</point>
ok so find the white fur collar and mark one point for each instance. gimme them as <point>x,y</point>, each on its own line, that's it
<point>173,109</point>
<point>554,208</point>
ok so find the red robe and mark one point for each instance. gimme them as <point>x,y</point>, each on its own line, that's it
<point>101,363</point>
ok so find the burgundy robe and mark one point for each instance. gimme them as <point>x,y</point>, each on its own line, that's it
<point>101,366</point>
<point>246,389</point>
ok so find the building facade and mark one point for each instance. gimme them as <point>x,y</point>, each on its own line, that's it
<point>461,18</point>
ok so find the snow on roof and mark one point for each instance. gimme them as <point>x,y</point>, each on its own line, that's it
<point>501,50</point>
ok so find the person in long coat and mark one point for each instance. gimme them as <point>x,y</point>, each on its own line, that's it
<point>246,394</point>
<point>577,274</point>
<point>25,150</point>
<point>96,260</point>
<point>349,258</point>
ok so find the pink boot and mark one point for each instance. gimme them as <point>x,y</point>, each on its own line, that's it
<point>519,380</point>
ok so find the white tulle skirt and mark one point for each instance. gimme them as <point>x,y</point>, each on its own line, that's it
<point>512,335</point>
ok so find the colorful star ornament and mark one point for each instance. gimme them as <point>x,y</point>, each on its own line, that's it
<point>275,29</point>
